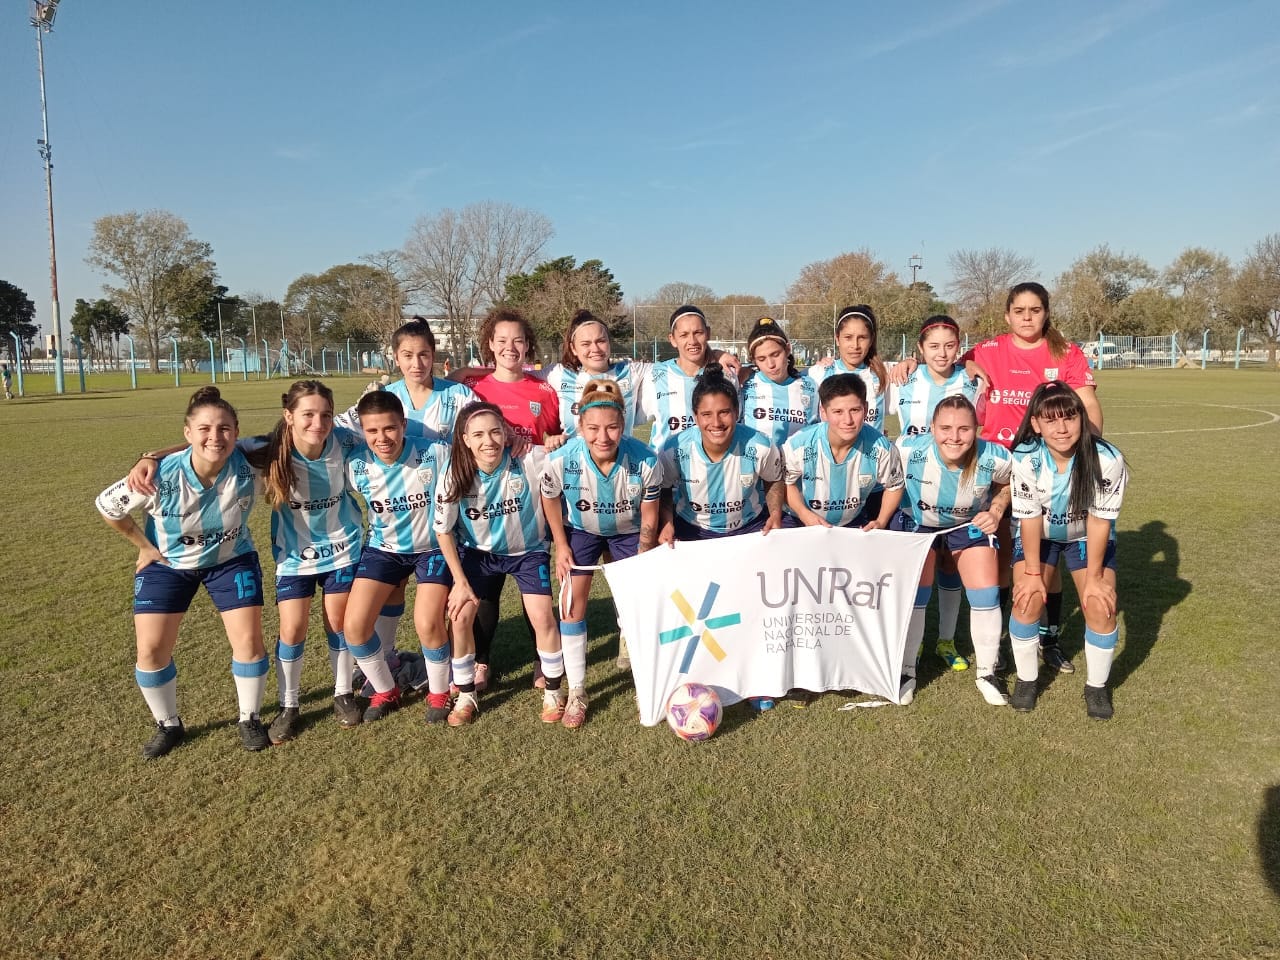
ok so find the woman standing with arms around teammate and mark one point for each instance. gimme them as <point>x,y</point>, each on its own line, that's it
<point>490,525</point>
<point>954,478</point>
<point>776,400</point>
<point>913,403</point>
<point>197,533</point>
<point>1011,366</point>
<point>1067,489</point>
<point>857,353</point>
<point>431,405</point>
<point>316,532</point>
<point>601,489</point>
<point>398,478</point>
<point>586,358</point>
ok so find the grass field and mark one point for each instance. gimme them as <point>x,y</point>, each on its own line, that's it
<point>947,828</point>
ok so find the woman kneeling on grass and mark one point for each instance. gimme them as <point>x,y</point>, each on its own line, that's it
<point>197,533</point>
<point>599,490</point>
<point>1067,488</point>
<point>398,479</point>
<point>490,525</point>
<point>954,478</point>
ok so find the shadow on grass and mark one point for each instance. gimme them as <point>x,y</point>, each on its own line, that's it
<point>1269,838</point>
<point>1149,587</point>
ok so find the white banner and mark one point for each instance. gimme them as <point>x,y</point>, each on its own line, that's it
<point>814,608</point>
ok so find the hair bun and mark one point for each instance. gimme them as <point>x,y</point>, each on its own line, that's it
<point>208,394</point>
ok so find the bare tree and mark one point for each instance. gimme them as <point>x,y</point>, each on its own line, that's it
<point>678,293</point>
<point>854,277</point>
<point>158,263</point>
<point>457,262</point>
<point>980,281</point>
<point>504,240</point>
<point>1089,294</point>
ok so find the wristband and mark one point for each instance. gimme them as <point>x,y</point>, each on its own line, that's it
<point>1030,573</point>
<point>148,456</point>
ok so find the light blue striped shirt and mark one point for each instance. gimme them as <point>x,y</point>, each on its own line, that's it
<point>192,526</point>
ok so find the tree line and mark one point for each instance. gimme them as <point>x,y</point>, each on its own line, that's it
<point>455,264</point>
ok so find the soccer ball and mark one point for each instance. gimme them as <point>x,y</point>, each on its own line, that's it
<point>693,711</point>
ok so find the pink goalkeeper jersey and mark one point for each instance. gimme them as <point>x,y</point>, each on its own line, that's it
<point>1015,373</point>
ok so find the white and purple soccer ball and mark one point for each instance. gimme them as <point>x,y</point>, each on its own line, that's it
<point>693,711</point>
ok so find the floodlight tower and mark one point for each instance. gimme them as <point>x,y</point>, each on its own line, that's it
<point>42,19</point>
<point>916,263</point>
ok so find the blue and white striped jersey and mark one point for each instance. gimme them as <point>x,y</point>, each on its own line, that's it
<point>193,527</point>
<point>666,398</point>
<point>502,512</point>
<point>399,495</point>
<point>875,399</point>
<point>604,505</point>
<point>915,401</point>
<point>719,497</point>
<point>319,528</point>
<point>433,420</point>
<point>629,375</point>
<point>778,409</point>
<point>837,491</point>
<point>935,495</point>
<point>1038,488</point>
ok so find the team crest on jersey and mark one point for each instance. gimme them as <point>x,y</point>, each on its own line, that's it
<point>245,504</point>
<point>515,486</point>
<point>535,407</point>
<point>747,482</point>
<point>426,475</point>
<point>633,489</point>
<point>1051,373</point>
<point>865,479</point>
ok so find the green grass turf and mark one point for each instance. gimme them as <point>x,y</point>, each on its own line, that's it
<point>948,828</point>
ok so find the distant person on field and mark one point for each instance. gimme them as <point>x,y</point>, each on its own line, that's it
<point>8,381</point>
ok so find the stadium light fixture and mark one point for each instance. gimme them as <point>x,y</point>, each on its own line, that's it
<point>42,19</point>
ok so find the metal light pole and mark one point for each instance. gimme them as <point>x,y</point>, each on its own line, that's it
<point>42,20</point>
<point>916,263</point>
<point>222,343</point>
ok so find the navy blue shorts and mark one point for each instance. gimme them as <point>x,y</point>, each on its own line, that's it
<point>1074,552</point>
<point>303,586</point>
<point>955,541</point>
<point>232,584</point>
<point>394,568</point>
<point>688,531</point>
<point>587,548</point>
<point>486,570</point>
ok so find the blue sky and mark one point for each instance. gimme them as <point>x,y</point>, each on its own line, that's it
<point>727,144</point>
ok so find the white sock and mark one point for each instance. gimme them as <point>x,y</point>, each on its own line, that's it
<point>464,670</point>
<point>251,684</point>
<point>160,690</point>
<point>369,657</point>
<point>341,663</point>
<point>573,644</point>
<point>1099,652</point>
<point>1025,640</point>
<point>437,662</point>
<point>289,671</point>
<point>915,636</point>
<point>984,628</point>
<point>948,605</point>
<point>552,668</point>
<point>385,627</point>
